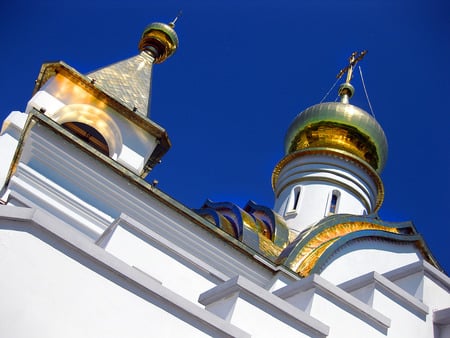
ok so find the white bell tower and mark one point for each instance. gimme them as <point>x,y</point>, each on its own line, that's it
<point>59,155</point>
<point>334,154</point>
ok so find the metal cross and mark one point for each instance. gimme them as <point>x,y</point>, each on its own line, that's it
<point>353,60</point>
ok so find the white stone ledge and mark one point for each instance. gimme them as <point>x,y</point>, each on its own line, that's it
<point>442,317</point>
<point>421,266</point>
<point>150,235</point>
<point>249,290</point>
<point>71,238</point>
<point>397,293</point>
<point>314,281</point>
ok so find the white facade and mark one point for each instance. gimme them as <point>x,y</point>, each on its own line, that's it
<point>88,248</point>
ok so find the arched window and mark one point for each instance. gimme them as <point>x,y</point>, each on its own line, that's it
<point>334,201</point>
<point>88,134</point>
<point>294,200</point>
<point>93,125</point>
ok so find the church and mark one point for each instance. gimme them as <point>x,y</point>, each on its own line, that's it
<point>89,248</point>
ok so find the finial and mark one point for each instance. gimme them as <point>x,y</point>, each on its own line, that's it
<point>172,23</point>
<point>160,40</point>
<point>346,90</point>
<point>352,61</point>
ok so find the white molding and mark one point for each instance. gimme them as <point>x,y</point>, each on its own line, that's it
<point>247,289</point>
<point>44,194</point>
<point>314,281</point>
<point>383,284</point>
<point>69,237</point>
<point>422,266</point>
<point>442,317</point>
<point>110,188</point>
<point>130,223</point>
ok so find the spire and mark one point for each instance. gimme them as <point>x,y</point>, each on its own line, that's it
<point>129,81</point>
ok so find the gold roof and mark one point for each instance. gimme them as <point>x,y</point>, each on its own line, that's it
<point>342,126</point>
<point>128,81</point>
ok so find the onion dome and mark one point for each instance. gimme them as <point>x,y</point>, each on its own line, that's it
<point>160,40</point>
<point>342,126</point>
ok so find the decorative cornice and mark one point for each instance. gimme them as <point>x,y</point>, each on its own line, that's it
<point>379,281</point>
<point>335,294</point>
<point>313,248</point>
<point>270,302</point>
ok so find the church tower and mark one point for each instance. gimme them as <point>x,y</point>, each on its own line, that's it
<point>334,154</point>
<point>77,128</point>
<point>109,109</point>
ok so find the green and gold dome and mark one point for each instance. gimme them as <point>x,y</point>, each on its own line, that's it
<point>341,126</point>
<point>160,39</point>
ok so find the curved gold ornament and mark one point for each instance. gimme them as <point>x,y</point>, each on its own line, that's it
<point>310,253</point>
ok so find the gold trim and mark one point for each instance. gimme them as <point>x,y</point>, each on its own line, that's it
<point>310,253</point>
<point>268,248</point>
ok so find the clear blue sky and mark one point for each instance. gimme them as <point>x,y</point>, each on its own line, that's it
<point>243,71</point>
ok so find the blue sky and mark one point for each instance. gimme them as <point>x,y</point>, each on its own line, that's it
<point>245,69</point>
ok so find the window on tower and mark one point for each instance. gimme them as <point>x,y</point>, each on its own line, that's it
<point>88,134</point>
<point>294,200</point>
<point>334,200</point>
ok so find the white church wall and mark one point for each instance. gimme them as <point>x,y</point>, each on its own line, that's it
<point>35,190</point>
<point>413,284</point>
<point>336,308</point>
<point>279,280</point>
<point>109,193</point>
<point>61,284</point>
<point>152,254</point>
<point>441,320</point>
<point>405,322</point>
<point>360,257</point>
<point>423,281</point>
<point>400,306</point>
<point>9,138</point>
<point>434,294</point>
<point>259,312</point>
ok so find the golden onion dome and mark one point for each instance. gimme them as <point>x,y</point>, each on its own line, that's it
<point>342,126</point>
<point>160,40</point>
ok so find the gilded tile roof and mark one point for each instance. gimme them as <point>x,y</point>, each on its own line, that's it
<point>128,81</point>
